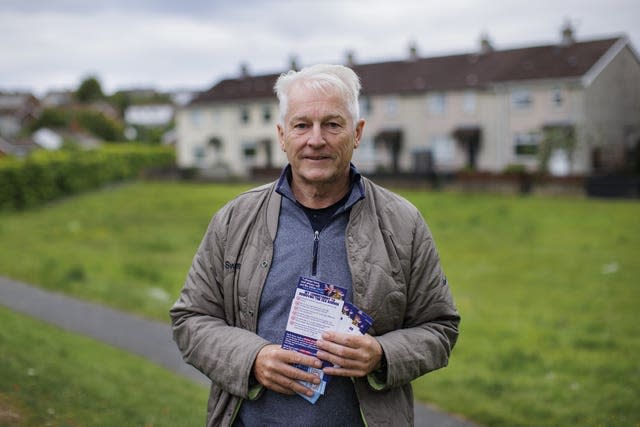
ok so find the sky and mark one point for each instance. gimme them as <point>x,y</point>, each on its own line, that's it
<point>192,44</point>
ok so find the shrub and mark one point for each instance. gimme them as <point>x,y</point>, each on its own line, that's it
<point>46,176</point>
<point>100,125</point>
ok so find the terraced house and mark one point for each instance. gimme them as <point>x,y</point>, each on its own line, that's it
<point>570,108</point>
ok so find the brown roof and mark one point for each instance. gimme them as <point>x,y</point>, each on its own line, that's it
<point>474,70</point>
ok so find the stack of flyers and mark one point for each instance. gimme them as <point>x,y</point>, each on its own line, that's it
<point>354,320</point>
<point>318,307</point>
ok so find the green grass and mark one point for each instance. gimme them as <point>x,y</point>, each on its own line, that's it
<point>128,246</point>
<point>54,378</point>
<point>546,287</point>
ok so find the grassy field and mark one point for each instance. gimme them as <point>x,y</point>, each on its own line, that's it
<point>546,287</point>
<point>53,378</point>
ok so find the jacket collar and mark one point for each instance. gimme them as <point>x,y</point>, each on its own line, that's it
<point>357,193</point>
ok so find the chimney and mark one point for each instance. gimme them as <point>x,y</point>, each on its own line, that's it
<point>351,59</point>
<point>567,34</point>
<point>293,63</point>
<point>485,44</point>
<point>244,70</point>
<point>413,51</point>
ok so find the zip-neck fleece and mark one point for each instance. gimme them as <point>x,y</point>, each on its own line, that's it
<point>300,250</point>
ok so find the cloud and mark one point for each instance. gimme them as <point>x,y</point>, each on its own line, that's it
<point>54,43</point>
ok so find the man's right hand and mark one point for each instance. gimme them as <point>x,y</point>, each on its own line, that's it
<point>273,368</point>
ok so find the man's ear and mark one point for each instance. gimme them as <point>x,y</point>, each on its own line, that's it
<point>358,133</point>
<point>281,137</point>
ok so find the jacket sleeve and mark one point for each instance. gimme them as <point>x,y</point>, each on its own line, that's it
<point>203,318</point>
<point>430,323</point>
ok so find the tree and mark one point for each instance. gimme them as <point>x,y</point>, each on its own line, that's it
<point>89,90</point>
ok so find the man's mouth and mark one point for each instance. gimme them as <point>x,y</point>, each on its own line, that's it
<point>317,158</point>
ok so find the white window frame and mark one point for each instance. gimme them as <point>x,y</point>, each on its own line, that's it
<point>391,106</point>
<point>521,99</point>
<point>469,101</point>
<point>437,103</point>
<point>557,98</point>
<point>527,139</point>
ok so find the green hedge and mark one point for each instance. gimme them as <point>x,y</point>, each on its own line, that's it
<point>48,175</point>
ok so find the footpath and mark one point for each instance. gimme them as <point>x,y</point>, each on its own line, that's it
<point>149,339</point>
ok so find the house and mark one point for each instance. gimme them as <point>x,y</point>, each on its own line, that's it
<point>16,148</point>
<point>149,115</point>
<point>17,110</point>
<point>47,139</point>
<point>58,98</point>
<point>570,107</point>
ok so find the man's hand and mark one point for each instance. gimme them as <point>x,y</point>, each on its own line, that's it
<point>273,369</point>
<point>356,355</point>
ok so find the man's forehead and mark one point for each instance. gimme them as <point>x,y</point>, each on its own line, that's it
<point>311,101</point>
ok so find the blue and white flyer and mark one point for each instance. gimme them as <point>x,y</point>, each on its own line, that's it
<point>318,307</point>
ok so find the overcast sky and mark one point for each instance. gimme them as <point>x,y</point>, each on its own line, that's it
<point>192,44</point>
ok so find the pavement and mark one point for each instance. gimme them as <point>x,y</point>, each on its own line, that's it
<point>149,339</point>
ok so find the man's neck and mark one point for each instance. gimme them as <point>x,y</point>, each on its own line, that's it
<point>318,196</point>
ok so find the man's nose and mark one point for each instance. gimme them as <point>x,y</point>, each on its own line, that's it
<point>315,137</point>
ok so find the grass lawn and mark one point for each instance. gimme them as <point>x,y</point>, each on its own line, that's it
<point>546,287</point>
<point>53,378</point>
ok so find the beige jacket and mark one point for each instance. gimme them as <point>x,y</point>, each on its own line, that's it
<point>397,279</point>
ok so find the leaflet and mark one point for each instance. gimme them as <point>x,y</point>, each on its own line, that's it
<point>318,307</point>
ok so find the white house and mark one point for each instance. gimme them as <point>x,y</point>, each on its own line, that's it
<point>577,101</point>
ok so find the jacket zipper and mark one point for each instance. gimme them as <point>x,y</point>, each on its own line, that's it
<point>316,243</point>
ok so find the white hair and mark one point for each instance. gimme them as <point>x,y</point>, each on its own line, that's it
<point>323,78</point>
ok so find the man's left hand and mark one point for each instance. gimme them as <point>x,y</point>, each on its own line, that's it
<point>356,355</point>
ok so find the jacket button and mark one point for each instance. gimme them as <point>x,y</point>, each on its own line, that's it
<point>264,264</point>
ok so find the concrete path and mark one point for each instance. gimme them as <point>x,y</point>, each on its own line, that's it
<point>146,338</point>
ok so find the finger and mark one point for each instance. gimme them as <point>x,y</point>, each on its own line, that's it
<point>327,349</point>
<point>347,340</point>
<point>295,358</point>
<point>290,381</point>
<point>344,372</point>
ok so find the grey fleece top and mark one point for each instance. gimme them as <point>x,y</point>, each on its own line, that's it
<point>294,257</point>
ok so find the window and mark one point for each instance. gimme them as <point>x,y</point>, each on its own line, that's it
<point>469,102</point>
<point>266,113</point>
<point>199,154</point>
<point>521,99</point>
<point>436,103</point>
<point>249,150</point>
<point>244,114</point>
<point>557,98</point>
<point>195,117</point>
<point>526,143</point>
<point>365,106</point>
<point>216,116</point>
<point>391,107</point>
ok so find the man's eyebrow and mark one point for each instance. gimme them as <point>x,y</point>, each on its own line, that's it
<point>334,117</point>
<point>304,117</point>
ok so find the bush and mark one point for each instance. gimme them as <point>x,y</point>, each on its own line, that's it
<point>100,125</point>
<point>46,176</point>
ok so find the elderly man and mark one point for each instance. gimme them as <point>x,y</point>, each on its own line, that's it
<point>322,220</point>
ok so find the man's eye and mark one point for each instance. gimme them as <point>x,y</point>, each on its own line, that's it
<point>300,126</point>
<point>333,125</point>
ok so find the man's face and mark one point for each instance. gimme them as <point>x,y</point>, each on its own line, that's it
<point>318,136</point>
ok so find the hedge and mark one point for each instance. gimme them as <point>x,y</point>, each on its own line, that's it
<point>48,175</point>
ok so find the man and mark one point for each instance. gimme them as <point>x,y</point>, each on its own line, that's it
<point>321,219</point>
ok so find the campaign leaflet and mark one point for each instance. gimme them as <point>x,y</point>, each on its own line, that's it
<point>318,307</point>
